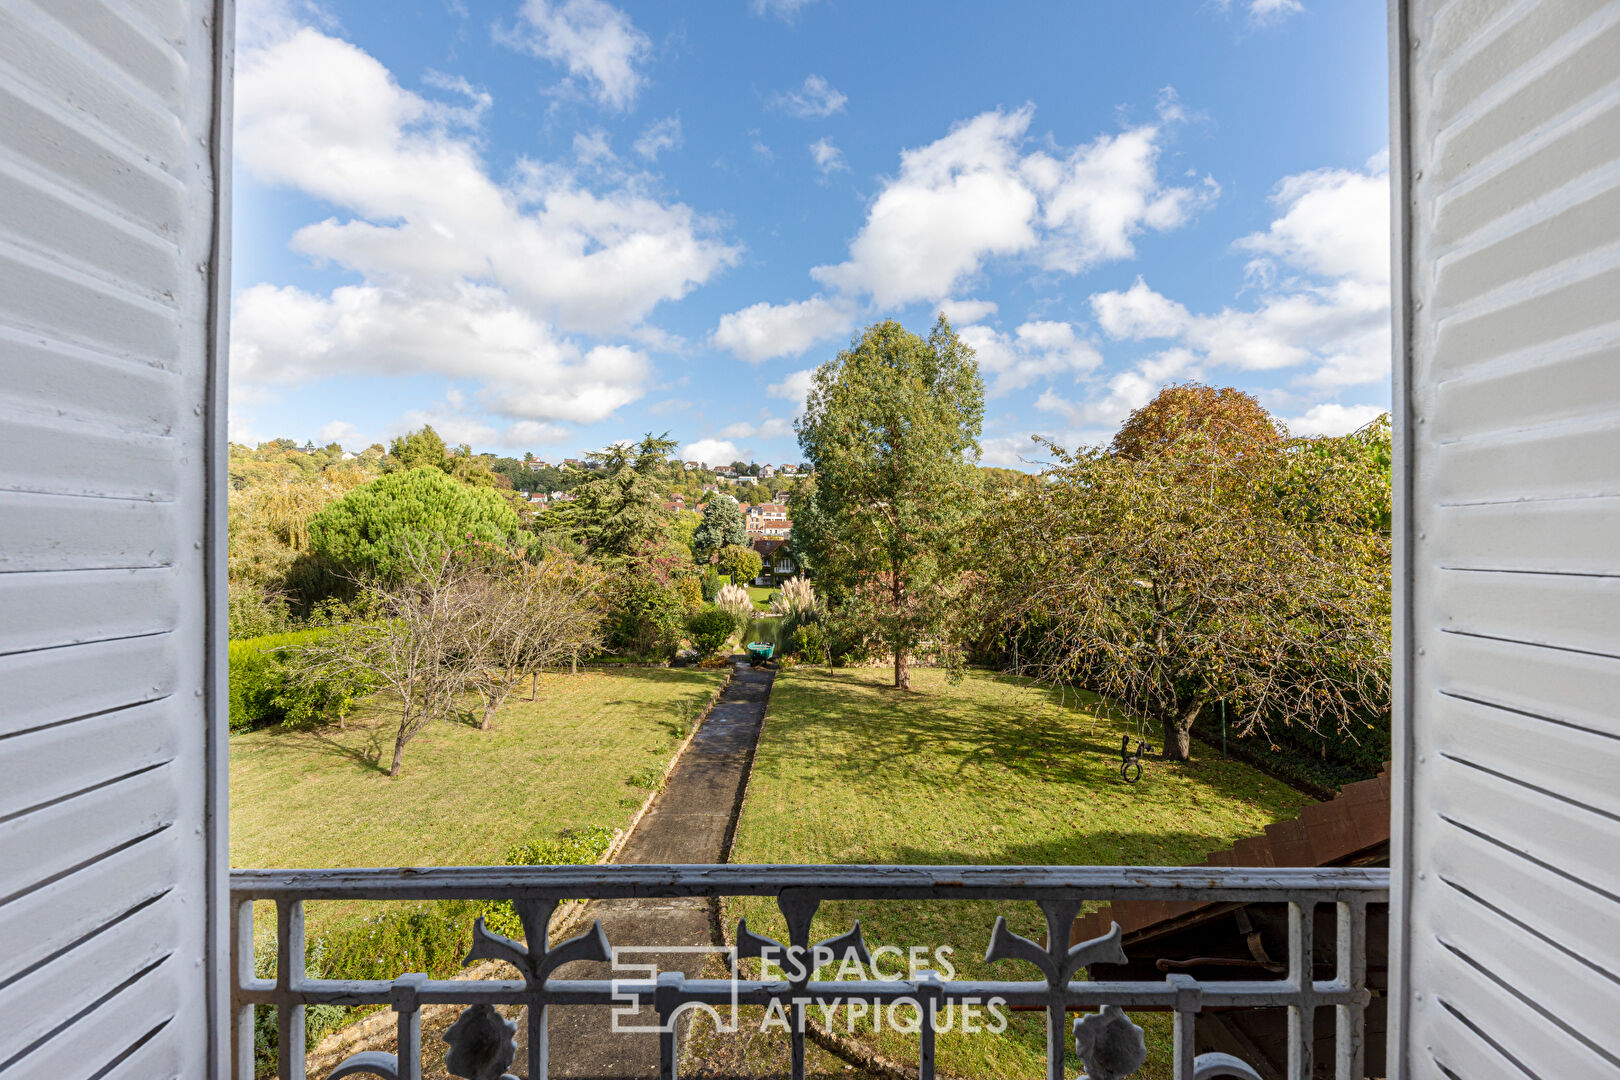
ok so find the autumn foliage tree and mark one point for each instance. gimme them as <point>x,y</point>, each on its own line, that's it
<point>1223,566</point>
<point>891,427</point>
<point>1225,415</point>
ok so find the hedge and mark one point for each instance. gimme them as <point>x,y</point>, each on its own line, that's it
<point>264,689</point>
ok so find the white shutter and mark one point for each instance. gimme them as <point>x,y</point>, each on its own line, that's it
<point>1507,839</point>
<point>112,274</point>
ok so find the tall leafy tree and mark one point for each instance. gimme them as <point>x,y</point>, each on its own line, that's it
<point>619,514</point>
<point>422,449</point>
<point>891,427</point>
<point>370,528</point>
<point>722,525</point>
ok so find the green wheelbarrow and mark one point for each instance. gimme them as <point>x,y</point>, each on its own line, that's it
<point>759,652</point>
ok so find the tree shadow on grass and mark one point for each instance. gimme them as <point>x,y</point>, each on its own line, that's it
<point>1072,738</point>
<point>366,752</point>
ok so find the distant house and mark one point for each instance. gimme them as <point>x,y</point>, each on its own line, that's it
<point>535,465</point>
<point>766,472</point>
<point>711,489</point>
<point>788,470</point>
<point>777,559</point>
<point>573,463</point>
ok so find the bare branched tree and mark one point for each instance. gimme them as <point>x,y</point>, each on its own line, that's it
<point>534,616</point>
<point>416,648</point>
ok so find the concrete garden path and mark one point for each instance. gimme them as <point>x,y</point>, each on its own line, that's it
<point>690,822</point>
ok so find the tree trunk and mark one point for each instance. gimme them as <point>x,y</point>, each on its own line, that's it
<point>534,687</point>
<point>902,672</point>
<point>399,749</point>
<point>1178,733</point>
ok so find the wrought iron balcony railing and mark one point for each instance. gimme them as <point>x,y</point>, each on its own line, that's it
<point>1107,1041</point>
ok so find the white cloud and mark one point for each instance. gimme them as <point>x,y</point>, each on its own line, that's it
<point>321,116</point>
<point>533,432</point>
<point>341,431</point>
<point>658,137</point>
<point>962,312</point>
<point>773,427</point>
<point>1332,418</point>
<point>795,388</point>
<point>817,99</point>
<point>1094,201</point>
<point>956,202</point>
<point>786,10</point>
<point>764,331</point>
<point>593,147</point>
<point>1138,313</point>
<point>1036,350</point>
<point>1262,12</point>
<point>1270,11</point>
<point>286,335</point>
<point>828,158</point>
<point>713,451</point>
<point>1323,270</point>
<point>595,41</point>
<point>1332,225</point>
<point>1007,451</point>
<point>460,275</point>
<point>973,195</point>
<point>1098,417</point>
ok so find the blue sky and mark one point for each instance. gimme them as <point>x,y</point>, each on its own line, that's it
<point>548,224</point>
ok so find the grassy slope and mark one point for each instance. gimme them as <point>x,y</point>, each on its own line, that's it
<point>991,771</point>
<point>585,753</point>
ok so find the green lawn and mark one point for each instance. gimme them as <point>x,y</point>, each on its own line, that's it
<point>585,753</point>
<point>994,770</point>
<point>761,596</point>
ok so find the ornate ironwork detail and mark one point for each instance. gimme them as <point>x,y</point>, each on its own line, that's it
<point>850,943</point>
<point>1222,1067</point>
<point>1110,1045</point>
<point>482,1044</point>
<point>537,964</point>
<point>1056,962</point>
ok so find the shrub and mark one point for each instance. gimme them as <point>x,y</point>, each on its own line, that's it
<point>743,564</point>
<point>710,628</point>
<point>711,583</point>
<point>269,684</point>
<point>809,643</point>
<point>795,599</point>
<point>646,617</point>
<point>691,592</point>
<point>254,611</point>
